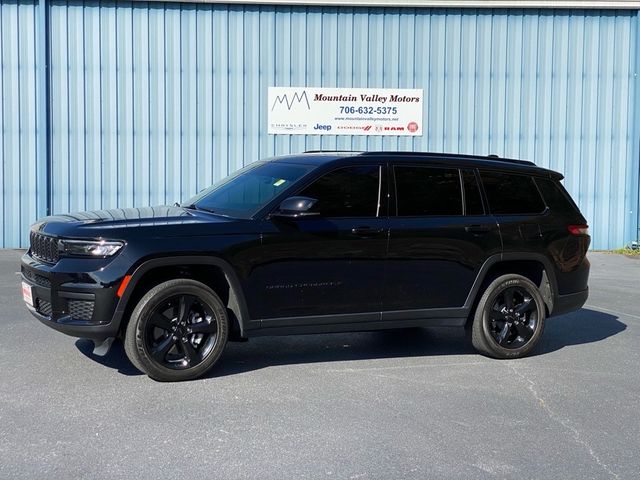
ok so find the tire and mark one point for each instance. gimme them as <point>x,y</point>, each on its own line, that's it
<point>509,319</point>
<point>177,331</point>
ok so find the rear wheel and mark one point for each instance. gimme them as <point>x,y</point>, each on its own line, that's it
<point>177,331</point>
<point>509,319</point>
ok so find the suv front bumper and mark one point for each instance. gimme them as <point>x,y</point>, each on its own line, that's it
<point>77,304</point>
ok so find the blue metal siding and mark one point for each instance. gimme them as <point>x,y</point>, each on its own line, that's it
<point>18,153</point>
<point>151,102</point>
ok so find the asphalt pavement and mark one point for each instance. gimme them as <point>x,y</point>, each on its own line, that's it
<point>401,404</point>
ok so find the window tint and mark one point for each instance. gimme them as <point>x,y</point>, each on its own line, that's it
<point>428,191</point>
<point>245,192</point>
<point>511,194</point>
<point>556,197</point>
<point>347,192</point>
<point>472,198</point>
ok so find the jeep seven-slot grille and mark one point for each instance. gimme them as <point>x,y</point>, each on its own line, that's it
<point>44,247</point>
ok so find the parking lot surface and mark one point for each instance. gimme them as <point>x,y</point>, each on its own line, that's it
<point>401,404</point>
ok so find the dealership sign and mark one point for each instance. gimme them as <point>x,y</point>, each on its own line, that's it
<point>345,111</point>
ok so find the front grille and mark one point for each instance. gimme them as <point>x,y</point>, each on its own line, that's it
<point>44,247</point>
<point>81,309</point>
<point>35,278</point>
<point>43,307</point>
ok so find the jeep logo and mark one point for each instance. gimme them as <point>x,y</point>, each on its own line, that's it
<point>322,127</point>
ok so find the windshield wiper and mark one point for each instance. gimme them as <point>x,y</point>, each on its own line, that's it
<point>193,206</point>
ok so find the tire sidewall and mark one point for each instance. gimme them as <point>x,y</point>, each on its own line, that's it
<point>134,340</point>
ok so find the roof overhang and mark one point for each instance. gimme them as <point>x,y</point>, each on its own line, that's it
<point>603,4</point>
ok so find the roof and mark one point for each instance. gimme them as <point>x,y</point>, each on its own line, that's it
<point>321,157</point>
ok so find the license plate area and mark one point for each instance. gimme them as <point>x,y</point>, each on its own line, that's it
<point>27,294</point>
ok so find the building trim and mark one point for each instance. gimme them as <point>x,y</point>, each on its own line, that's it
<point>581,4</point>
<point>635,155</point>
<point>43,109</point>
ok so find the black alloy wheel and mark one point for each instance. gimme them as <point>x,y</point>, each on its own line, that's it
<point>177,331</point>
<point>509,319</point>
<point>513,318</point>
<point>181,332</point>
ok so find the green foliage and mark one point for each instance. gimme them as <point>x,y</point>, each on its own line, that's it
<point>627,251</point>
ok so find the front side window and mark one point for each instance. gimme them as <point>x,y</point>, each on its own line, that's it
<point>426,191</point>
<point>347,192</point>
<point>511,194</point>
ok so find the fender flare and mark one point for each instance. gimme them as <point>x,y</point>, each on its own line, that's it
<point>548,286</point>
<point>236,304</point>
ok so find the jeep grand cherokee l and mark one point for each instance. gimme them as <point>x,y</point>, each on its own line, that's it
<point>317,242</point>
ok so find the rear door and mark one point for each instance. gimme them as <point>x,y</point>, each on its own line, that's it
<point>440,235</point>
<point>515,202</point>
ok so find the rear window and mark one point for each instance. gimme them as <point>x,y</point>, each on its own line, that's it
<point>556,197</point>
<point>511,194</point>
<point>425,191</point>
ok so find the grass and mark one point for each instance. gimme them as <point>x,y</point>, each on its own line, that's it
<point>627,251</point>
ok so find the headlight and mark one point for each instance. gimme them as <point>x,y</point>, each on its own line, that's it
<point>89,248</point>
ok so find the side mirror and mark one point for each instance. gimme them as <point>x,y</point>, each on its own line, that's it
<point>296,207</point>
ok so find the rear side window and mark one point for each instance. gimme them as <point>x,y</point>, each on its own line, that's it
<point>556,197</point>
<point>423,191</point>
<point>508,193</point>
<point>347,192</point>
<point>472,198</point>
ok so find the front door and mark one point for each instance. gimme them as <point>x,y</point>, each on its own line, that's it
<point>330,265</point>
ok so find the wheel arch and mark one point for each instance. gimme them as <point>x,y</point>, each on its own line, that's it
<point>534,266</point>
<point>214,272</point>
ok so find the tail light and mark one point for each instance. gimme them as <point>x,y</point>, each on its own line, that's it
<point>578,229</point>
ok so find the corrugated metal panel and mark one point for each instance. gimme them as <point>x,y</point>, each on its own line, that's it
<point>152,102</point>
<point>18,121</point>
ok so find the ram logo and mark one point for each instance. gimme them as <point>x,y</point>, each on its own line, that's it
<point>296,99</point>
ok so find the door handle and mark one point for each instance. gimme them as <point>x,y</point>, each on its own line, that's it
<point>477,229</point>
<point>366,231</point>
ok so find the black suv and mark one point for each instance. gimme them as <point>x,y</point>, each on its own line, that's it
<point>317,242</point>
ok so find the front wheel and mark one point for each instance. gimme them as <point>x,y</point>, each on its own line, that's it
<point>177,331</point>
<point>509,319</point>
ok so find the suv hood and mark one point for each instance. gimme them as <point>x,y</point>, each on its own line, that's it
<point>111,223</point>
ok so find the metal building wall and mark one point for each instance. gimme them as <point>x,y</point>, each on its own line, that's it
<point>151,102</point>
<point>18,106</point>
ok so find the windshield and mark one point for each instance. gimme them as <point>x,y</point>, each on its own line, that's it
<point>245,192</point>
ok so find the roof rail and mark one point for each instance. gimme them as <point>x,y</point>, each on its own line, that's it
<point>333,151</point>
<point>491,157</point>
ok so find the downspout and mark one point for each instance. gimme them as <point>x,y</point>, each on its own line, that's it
<point>43,92</point>
<point>636,126</point>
